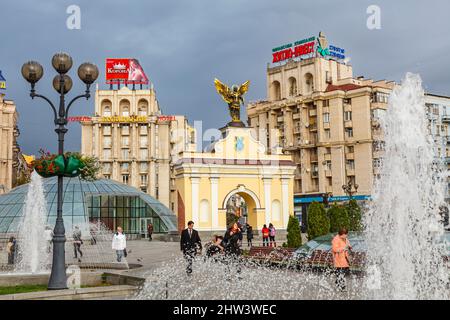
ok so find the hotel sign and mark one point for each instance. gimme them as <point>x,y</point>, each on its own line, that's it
<point>124,119</point>
<point>79,119</point>
<point>307,48</point>
<point>166,118</point>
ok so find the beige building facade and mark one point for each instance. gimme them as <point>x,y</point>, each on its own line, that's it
<point>327,120</point>
<point>137,144</point>
<point>9,149</point>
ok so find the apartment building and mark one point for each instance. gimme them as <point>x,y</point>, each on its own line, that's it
<point>137,144</point>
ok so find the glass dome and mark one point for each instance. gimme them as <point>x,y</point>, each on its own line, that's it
<point>104,200</point>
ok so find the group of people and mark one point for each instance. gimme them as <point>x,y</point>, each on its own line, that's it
<point>229,244</point>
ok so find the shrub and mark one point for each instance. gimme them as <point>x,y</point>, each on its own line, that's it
<point>294,236</point>
<point>354,215</point>
<point>318,221</point>
<point>339,218</point>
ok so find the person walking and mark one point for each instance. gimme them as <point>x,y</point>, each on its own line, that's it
<point>48,238</point>
<point>11,250</point>
<point>340,247</point>
<point>231,240</point>
<point>119,243</point>
<point>190,243</point>
<point>249,235</point>
<point>77,242</point>
<point>272,233</point>
<point>265,236</point>
<point>150,231</point>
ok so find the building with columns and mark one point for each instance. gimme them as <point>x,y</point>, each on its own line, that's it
<point>136,144</point>
<point>237,164</point>
<point>9,149</point>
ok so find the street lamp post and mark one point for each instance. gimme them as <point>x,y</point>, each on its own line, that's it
<point>32,71</point>
<point>350,189</point>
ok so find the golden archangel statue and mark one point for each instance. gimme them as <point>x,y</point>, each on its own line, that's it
<point>234,99</point>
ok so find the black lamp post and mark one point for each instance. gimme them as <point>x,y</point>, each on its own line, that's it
<point>350,189</point>
<point>32,71</point>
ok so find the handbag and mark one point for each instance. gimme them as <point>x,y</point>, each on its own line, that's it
<point>125,253</point>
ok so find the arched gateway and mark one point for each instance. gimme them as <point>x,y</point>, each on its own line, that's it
<point>236,169</point>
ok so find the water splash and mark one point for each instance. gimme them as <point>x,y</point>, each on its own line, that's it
<point>405,256</point>
<point>33,253</point>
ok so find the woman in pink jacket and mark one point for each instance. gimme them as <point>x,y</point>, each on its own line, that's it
<point>340,247</point>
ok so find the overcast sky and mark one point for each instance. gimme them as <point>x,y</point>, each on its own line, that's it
<point>182,45</point>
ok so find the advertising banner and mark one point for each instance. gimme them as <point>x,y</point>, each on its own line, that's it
<point>124,70</point>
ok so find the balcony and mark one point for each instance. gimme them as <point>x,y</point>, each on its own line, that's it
<point>314,157</point>
<point>296,116</point>
<point>350,156</point>
<point>313,127</point>
<point>297,130</point>
<point>326,125</point>
<point>446,118</point>
<point>280,119</point>
<point>348,124</point>
<point>328,173</point>
<point>327,156</point>
<point>350,171</point>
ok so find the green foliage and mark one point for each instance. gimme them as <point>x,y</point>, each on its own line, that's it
<point>318,221</point>
<point>23,288</point>
<point>354,215</point>
<point>338,218</point>
<point>294,236</point>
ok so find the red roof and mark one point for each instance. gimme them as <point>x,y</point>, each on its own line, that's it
<point>344,87</point>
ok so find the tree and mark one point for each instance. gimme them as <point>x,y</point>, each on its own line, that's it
<point>318,221</point>
<point>339,218</point>
<point>294,236</point>
<point>354,215</point>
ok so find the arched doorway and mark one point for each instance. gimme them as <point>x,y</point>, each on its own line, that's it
<point>241,205</point>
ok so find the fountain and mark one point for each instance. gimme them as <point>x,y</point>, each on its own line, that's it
<point>403,232</point>
<point>33,253</point>
<point>403,229</point>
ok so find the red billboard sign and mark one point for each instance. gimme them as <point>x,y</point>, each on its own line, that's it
<point>124,70</point>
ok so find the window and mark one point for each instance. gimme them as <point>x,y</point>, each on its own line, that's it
<point>106,153</point>
<point>125,178</point>
<point>125,154</point>
<point>144,141</point>
<point>125,166</point>
<point>350,149</point>
<point>125,111</point>
<point>125,130</point>
<point>125,141</point>
<point>380,97</point>
<point>349,132</point>
<point>143,166</point>
<point>326,103</point>
<point>328,165</point>
<point>106,130</point>
<point>347,101</point>
<point>326,117</point>
<point>347,116</point>
<point>144,154</point>
<point>143,129</point>
<point>107,167</point>
<point>143,179</point>
<point>377,163</point>
<point>327,133</point>
<point>292,86</point>
<point>106,176</point>
<point>107,111</point>
<point>350,164</point>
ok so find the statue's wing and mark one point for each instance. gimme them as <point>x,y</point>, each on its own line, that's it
<point>223,90</point>
<point>244,87</point>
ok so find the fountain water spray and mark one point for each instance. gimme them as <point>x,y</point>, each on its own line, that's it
<point>403,229</point>
<point>33,255</point>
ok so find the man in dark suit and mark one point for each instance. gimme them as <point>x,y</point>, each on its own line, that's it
<point>189,243</point>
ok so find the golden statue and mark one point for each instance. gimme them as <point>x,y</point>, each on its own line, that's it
<point>234,99</point>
